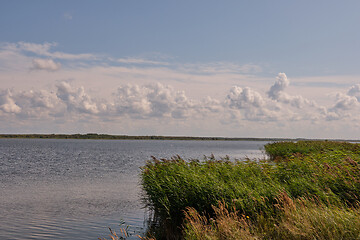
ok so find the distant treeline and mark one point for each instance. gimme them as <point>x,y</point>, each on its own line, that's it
<point>126,137</point>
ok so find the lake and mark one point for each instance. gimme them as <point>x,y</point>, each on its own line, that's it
<point>76,189</point>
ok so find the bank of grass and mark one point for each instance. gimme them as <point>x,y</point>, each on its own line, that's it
<point>307,190</point>
<point>301,218</point>
<point>283,150</point>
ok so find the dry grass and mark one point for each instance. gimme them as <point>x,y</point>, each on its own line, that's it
<point>225,225</point>
<point>308,219</point>
<point>300,219</point>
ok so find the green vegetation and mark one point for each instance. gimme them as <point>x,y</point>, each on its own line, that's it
<point>307,190</point>
<point>126,137</point>
<point>288,149</point>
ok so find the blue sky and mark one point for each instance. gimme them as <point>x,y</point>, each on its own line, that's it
<point>82,66</point>
<point>304,37</point>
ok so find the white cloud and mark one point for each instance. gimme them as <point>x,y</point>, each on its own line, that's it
<point>36,99</point>
<point>45,64</point>
<point>295,101</point>
<point>210,105</point>
<point>244,98</point>
<point>45,50</point>
<point>277,105</point>
<point>277,93</point>
<point>68,56</point>
<point>7,103</point>
<point>251,104</point>
<point>346,102</point>
<point>164,102</point>
<point>39,49</point>
<point>132,100</point>
<point>136,102</point>
<point>39,105</point>
<point>134,105</point>
<point>279,86</point>
<point>76,99</point>
<point>154,100</point>
<point>355,91</point>
<point>346,105</point>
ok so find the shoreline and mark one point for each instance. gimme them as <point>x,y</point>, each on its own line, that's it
<point>96,136</point>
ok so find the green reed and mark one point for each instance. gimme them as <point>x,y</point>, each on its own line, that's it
<point>326,172</point>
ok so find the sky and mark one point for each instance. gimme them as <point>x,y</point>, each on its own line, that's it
<point>181,68</point>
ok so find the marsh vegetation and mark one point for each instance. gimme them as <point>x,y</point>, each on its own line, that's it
<point>305,190</point>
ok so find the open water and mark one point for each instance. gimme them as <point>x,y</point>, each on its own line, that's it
<point>76,189</point>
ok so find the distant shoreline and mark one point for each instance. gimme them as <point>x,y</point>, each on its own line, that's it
<point>127,137</point>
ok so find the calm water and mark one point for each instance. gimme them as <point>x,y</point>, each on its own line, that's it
<point>75,189</point>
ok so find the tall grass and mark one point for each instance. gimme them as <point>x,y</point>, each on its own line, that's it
<point>321,179</point>
<point>300,219</point>
<point>226,224</point>
<point>282,150</point>
<point>173,185</point>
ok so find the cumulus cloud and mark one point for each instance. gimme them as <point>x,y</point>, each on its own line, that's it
<point>154,100</point>
<point>76,99</point>
<point>346,105</point>
<point>346,102</point>
<point>45,64</point>
<point>244,98</point>
<point>297,101</point>
<point>277,93</point>
<point>133,101</point>
<point>240,106</point>
<point>279,86</point>
<point>354,91</point>
<point>36,99</point>
<point>165,100</point>
<point>210,105</point>
<point>251,104</point>
<point>38,104</point>
<point>277,105</point>
<point>7,103</point>
<point>161,101</point>
<point>41,104</point>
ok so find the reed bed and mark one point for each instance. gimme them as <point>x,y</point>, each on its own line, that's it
<point>307,190</point>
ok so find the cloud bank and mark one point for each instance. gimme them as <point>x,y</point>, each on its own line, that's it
<point>159,101</point>
<point>144,97</point>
